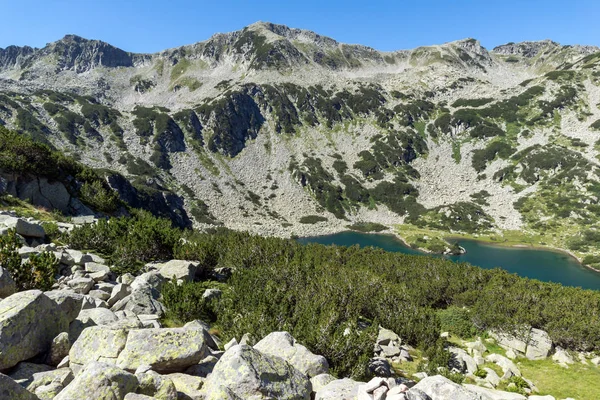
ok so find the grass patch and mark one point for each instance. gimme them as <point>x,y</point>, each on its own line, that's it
<point>179,69</point>
<point>551,378</point>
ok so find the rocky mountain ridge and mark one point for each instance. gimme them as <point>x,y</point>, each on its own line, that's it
<point>269,126</point>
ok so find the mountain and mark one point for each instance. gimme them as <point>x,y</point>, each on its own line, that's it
<point>284,132</point>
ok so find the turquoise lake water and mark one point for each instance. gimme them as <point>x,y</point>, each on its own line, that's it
<point>545,265</point>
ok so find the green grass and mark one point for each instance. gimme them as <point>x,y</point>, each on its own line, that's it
<point>24,209</point>
<point>187,81</point>
<point>578,381</point>
<point>179,69</point>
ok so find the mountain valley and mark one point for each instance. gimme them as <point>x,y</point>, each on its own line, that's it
<point>282,132</point>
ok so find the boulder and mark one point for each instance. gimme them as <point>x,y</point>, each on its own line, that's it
<point>7,284</point>
<point>547,397</point>
<point>180,269</point>
<point>509,341</point>
<point>211,294</point>
<point>119,292</point>
<point>208,338</point>
<point>491,394</point>
<point>90,317</point>
<point>282,344</point>
<point>78,258</point>
<point>155,385</point>
<point>380,366</point>
<point>81,285</point>
<point>100,381</point>
<point>414,394</point>
<point>390,351</point>
<point>203,368</point>
<point>386,336</point>
<point>99,294</point>
<point>69,302</point>
<point>59,349</point>
<point>62,376</point>
<point>492,377</point>
<point>339,389</point>
<point>98,343</point>
<point>29,321</point>
<point>320,381</point>
<point>508,367</point>
<point>25,228</point>
<point>243,372</point>
<point>462,359</point>
<point>441,388</point>
<point>152,281</point>
<point>187,386</point>
<point>11,390</point>
<point>563,357</point>
<point>165,349</point>
<point>24,372</point>
<point>143,302</point>
<point>539,345</point>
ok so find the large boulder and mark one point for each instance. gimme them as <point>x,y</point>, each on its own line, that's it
<point>69,302</point>
<point>539,345</point>
<point>441,388</point>
<point>11,390</point>
<point>91,317</point>
<point>142,302</point>
<point>25,228</point>
<point>7,284</point>
<point>180,269</point>
<point>340,389</point>
<point>28,322</point>
<point>98,343</point>
<point>100,381</point>
<point>164,349</point>
<point>387,337</point>
<point>244,372</point>
<point>282,344</point>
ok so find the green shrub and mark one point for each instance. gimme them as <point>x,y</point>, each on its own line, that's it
<point>38,272</point>
<point>480,373</point>
<point>128,243</point>
<point>457,320</point>
<point>99,197</point>
<point>312,219</point>
<point>185,303</point>
<point>367,227</point>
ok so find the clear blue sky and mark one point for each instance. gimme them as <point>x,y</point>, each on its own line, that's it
<point>153,25</point>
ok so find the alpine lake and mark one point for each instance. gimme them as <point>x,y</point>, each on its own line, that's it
<point>542,264</point>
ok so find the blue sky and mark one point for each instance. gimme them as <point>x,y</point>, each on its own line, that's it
<point>152,25</point>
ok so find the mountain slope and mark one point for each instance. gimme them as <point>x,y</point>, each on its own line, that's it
<point>268,127</point>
